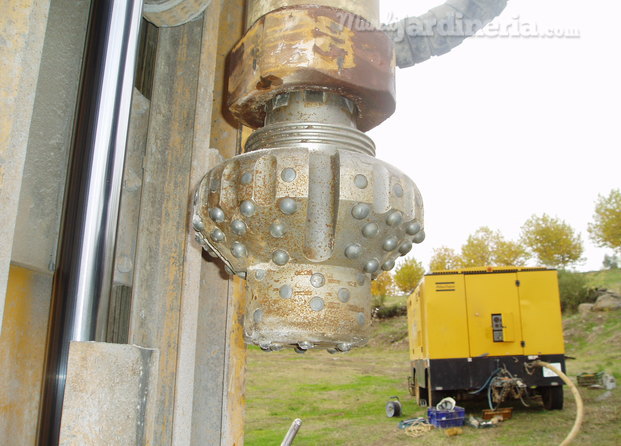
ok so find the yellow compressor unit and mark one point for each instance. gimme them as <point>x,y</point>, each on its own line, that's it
<point>476,332</point>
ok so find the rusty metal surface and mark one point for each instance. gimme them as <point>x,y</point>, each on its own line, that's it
<point>308,227</point>
<point>159,268</point>
<point>108,394</point>
<point>49,139</point>
<point>22,31</point>
<point>311,106</point>
<point>22,351</point>
<point>309,48</point>
<point>129,212</point>
<point>369,9</point>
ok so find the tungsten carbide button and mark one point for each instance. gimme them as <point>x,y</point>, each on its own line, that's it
<point>288,206</point>
<point>390,244</point>
<point>344,295</point>
<point>388,265</point>
<point>394,219</point>
<point>360,211</point>
<point>247,208</point>
<point>197,222</point>
<point>280,257</point>
<point>216,214</point>
<point>239,250</point>
<point>217,235</point>
<point>420,237</point>
<point>371,266</point>
<point>288,175</point>
<point>370,230</point>
<point>353,251</point>
<point>238,227</point>
<point>344,347</point>
<point>405,248</point>
<point>286,291</point>
<point>361,181</point>
<point>317,280</point>
<point>413,228</point>
<point>317,304</point>
<point>277,230</point>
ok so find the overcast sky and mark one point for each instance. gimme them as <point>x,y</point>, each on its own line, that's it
<point>503,128</point>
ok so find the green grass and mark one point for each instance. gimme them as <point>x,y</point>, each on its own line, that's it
<point>341,398</point>
<point>609,279</point>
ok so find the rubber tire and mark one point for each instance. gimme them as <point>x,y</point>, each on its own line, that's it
<point>552,397</point>
<point>393,409</point>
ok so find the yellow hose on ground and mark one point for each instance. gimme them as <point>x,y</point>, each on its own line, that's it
<point>579,405</point>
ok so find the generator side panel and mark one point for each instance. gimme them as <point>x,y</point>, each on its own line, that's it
<point>415,325</point>
<point>540,306</point>
<point>445,326</point>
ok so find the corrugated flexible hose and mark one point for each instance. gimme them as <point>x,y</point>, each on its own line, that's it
<point>441,29</point>
<point>579,405</point>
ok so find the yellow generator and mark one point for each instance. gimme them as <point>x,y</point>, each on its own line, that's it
<point>476,332</point>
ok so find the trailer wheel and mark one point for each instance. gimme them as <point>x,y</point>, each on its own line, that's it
<point>552,397</point>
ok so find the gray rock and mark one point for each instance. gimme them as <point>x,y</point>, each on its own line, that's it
<point>585,308</point>
<point>607,301</point>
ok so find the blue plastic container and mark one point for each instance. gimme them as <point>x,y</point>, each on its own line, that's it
<point>446,418</point>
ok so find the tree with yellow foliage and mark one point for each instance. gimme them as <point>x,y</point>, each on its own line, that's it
<point>444,258</point>
<point>408,275</point>
<point>605,230</point>
<point>479,248</point>
<point>510,253</point>
<point>552,241</point>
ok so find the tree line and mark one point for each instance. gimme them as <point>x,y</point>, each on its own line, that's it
<point>546,240</point>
